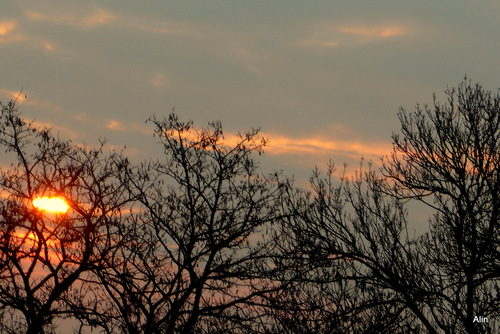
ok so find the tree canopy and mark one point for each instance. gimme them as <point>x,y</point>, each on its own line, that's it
<point>369,265</point>
<point>200,240</point>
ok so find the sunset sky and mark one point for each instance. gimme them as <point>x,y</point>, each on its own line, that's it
<point>324,79</point>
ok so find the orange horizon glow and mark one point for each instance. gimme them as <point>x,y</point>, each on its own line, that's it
<point>52,204</point>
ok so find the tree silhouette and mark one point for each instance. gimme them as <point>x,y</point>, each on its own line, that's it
<point>451,158</point>
<point>43,255</point>
<point>199,253</point>
<point>370,272</point>
<point>200,241</point>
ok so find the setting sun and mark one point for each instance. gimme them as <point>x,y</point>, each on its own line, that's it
<point>53,204</point>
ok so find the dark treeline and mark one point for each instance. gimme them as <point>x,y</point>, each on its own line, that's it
<point>202,241</point>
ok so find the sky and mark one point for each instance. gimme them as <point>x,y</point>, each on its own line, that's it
<point>322,79</point>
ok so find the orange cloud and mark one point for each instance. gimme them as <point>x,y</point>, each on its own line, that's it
<point>9,34</point>
<point>317,43</point>
<point>115,125</point>
<point>17,96</point>
<point>101,17</point>
<point>280,144</point>
<point>158,81</point>
<point>380,32</point>
<point>329,34</point>
<point>112,124</point>
<point>96,18</point>
<point>20,96</point>
<point>23,98</point>
<point>6,27</point>
<point>319,146</point>
<point>67,132</point>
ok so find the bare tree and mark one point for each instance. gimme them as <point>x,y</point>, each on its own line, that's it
<point>210,245</point>
<point>448,158</point>
<point>377,275</point>
<point>198,256</point>
<point>43,255</point>
<point>349,247</point>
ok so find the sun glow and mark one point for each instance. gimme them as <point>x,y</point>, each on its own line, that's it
<point>52,204</point>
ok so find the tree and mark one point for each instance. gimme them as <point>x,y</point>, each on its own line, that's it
<point>451,164</point>
<point>198,256</point>
<point>349,248</point>
<point>356,234</point>
<point>44,255</point>
<point>202,242</point>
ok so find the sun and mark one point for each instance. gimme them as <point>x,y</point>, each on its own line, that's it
<point>52,204</point>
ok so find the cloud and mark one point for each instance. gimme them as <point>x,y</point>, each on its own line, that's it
<point>152,27</point>
<point>58,129</point>
<point>115,125</point>
<point>102,17</point>
<point>9,34</point>
<point>16,95</point>
<point>6,27</point>
<point>317,43</point>
<point>247,58</point>
<point>158,80</point>
<point>22,97</point>
<point>374,31</point>
<point>48,47</point>
<point>318,146</point>
<point>97,18</point>
<point>329,34</point>
<point>315,145</point>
